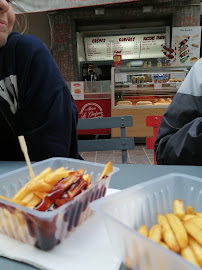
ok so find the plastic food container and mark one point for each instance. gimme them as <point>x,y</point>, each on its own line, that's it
<point>46,229</point>
<point>125,211</point>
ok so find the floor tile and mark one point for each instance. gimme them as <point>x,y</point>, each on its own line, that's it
<point>138,155</point>
<point>137,152</point>
<point>89,154</point>
<point>139,160</point>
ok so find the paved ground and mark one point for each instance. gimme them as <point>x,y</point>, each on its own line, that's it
<point>139,155</point>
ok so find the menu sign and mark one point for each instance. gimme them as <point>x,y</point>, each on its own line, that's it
<point>131,47</point>
<point>128,46</point>
<point>151,46</point>
<point>186,45</point>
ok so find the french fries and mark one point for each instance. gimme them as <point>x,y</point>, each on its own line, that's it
<point>38,190</point>
<point>4,198</point>
<point>189,210</point>
<point>108,169</point>
<point>178,208</point>
<point>187,217</point>
<point>155,233</point>
<point>194,229</point>
<point>144,230</point>
<point>188,254</point>
<point>45,192</point>
<point>168,234</point>
<point>180,231</point>
<point>197,249</point>
<point>51,189</point>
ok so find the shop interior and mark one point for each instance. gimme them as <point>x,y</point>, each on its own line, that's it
<point>99,74</point>
<point>130,26</point>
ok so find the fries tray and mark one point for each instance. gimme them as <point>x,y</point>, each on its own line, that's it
<point>125,211</point>
<point>46,229</point>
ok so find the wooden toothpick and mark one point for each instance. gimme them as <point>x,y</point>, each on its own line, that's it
<point>25,152</point>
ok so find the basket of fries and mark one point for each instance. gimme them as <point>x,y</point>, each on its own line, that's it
<point>44,210</point>
<point>156,225</point>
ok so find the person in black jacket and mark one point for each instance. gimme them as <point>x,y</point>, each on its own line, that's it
<point>34,98</point>
<point>179,139</point>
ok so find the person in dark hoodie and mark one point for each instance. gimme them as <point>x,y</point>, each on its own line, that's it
<point>34,98</point>
<point>179,139</point>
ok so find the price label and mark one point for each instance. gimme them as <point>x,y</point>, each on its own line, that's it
<point>120,77</point>
<point>133,86</point>
<point>158,86</point>
<point>178,84</point>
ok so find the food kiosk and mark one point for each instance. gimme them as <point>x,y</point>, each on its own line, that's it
<point>85,41</point>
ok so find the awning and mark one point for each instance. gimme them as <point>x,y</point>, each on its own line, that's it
<point>27,6</point>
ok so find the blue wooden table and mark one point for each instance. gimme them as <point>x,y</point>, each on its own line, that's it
<point>129,175</point>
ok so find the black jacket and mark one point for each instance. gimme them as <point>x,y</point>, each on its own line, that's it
<point>35,102</point>
<point>179,139</point>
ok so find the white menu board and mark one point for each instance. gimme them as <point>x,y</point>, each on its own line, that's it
<point>151,46</point>
<point>131,47</point>
<point>186,44</point>
<point>98,49</point>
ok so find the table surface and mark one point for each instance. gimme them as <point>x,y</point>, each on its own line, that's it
<point>129,175</point>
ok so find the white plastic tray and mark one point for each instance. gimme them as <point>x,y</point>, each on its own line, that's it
<point>127,210</point>
<point>46,229</point>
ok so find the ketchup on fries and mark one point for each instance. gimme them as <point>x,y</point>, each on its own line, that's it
<point>51,189</point>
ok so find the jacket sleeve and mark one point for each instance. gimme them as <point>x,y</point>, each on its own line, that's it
<point>48,113</point>
<point>179,139</point>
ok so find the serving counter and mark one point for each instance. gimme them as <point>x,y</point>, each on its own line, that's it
<point>143,91</point>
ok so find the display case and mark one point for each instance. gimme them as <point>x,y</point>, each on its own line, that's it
<point>140,92</point>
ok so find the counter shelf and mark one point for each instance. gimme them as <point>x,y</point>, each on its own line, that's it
<point>152,88</point>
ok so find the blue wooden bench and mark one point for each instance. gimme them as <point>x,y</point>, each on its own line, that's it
<point>121,143</point>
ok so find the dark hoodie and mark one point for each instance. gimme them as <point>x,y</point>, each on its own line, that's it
<point>35,102</point>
